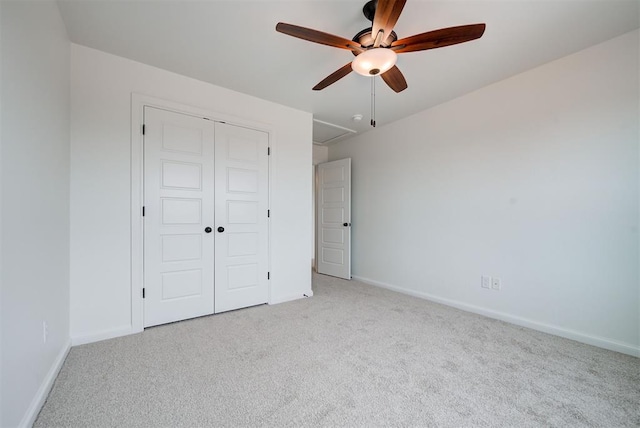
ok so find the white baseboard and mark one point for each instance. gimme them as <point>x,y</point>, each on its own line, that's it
<point>103,335</point>
<point>291,297</point>
<point>43,392</point>
<point>600,342</point>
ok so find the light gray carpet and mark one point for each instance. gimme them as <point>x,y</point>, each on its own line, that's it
<point>353,355</point>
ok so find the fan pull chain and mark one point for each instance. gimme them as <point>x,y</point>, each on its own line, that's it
<point>373,101</point>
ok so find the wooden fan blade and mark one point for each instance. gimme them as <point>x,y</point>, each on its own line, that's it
<point>394,78</point>
<point>439,38</point>
<point>387,14</point>
<point>318,37</point>
<point>333,77</point>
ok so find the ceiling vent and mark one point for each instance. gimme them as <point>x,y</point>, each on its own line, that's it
<point>325,133</point>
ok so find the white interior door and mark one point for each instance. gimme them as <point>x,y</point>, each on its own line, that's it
<point>334,218</point>
<point>242,202</point>
<point>179,205</point>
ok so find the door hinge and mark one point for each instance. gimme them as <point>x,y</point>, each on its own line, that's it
<point>268,213</point>
<point>142,211</point>
<point>143,129</point>
<point>143,293</point>
<point>268,151</point>
<point>268,275</point>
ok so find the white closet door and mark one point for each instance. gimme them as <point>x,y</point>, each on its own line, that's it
<point>334,218</point>
<point>179,207</point>
<point>241,204</point>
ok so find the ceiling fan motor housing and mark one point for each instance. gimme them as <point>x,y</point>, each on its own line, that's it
<point>366,40</point>
<point>364,37</point>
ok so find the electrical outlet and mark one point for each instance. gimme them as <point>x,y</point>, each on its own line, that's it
<point>45,331</point>
<point>486,282</point>
<point>495,284</point>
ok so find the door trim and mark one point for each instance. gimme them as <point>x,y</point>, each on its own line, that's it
<point>138,102</point>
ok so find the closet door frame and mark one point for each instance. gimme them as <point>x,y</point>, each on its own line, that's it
<point>138,102</point>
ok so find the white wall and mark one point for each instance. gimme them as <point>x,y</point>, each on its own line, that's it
<point>102,85</point>
<point>320,155</point>
<point>533,179</point>
<point>1,287</point>
<point>35,204</point>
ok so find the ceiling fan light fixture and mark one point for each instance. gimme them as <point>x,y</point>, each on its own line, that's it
<point>374,61</point>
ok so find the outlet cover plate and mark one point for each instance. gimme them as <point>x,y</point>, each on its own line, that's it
<point>486,282</point>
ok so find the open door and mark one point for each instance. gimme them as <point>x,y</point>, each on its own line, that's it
<point>334,218</point>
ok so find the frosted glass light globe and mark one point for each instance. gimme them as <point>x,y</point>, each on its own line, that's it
<point>374,61</point>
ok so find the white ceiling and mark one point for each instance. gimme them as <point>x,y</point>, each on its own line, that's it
<point>234,44</point>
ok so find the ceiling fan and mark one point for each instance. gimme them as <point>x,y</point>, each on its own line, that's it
<point>376,47</point>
